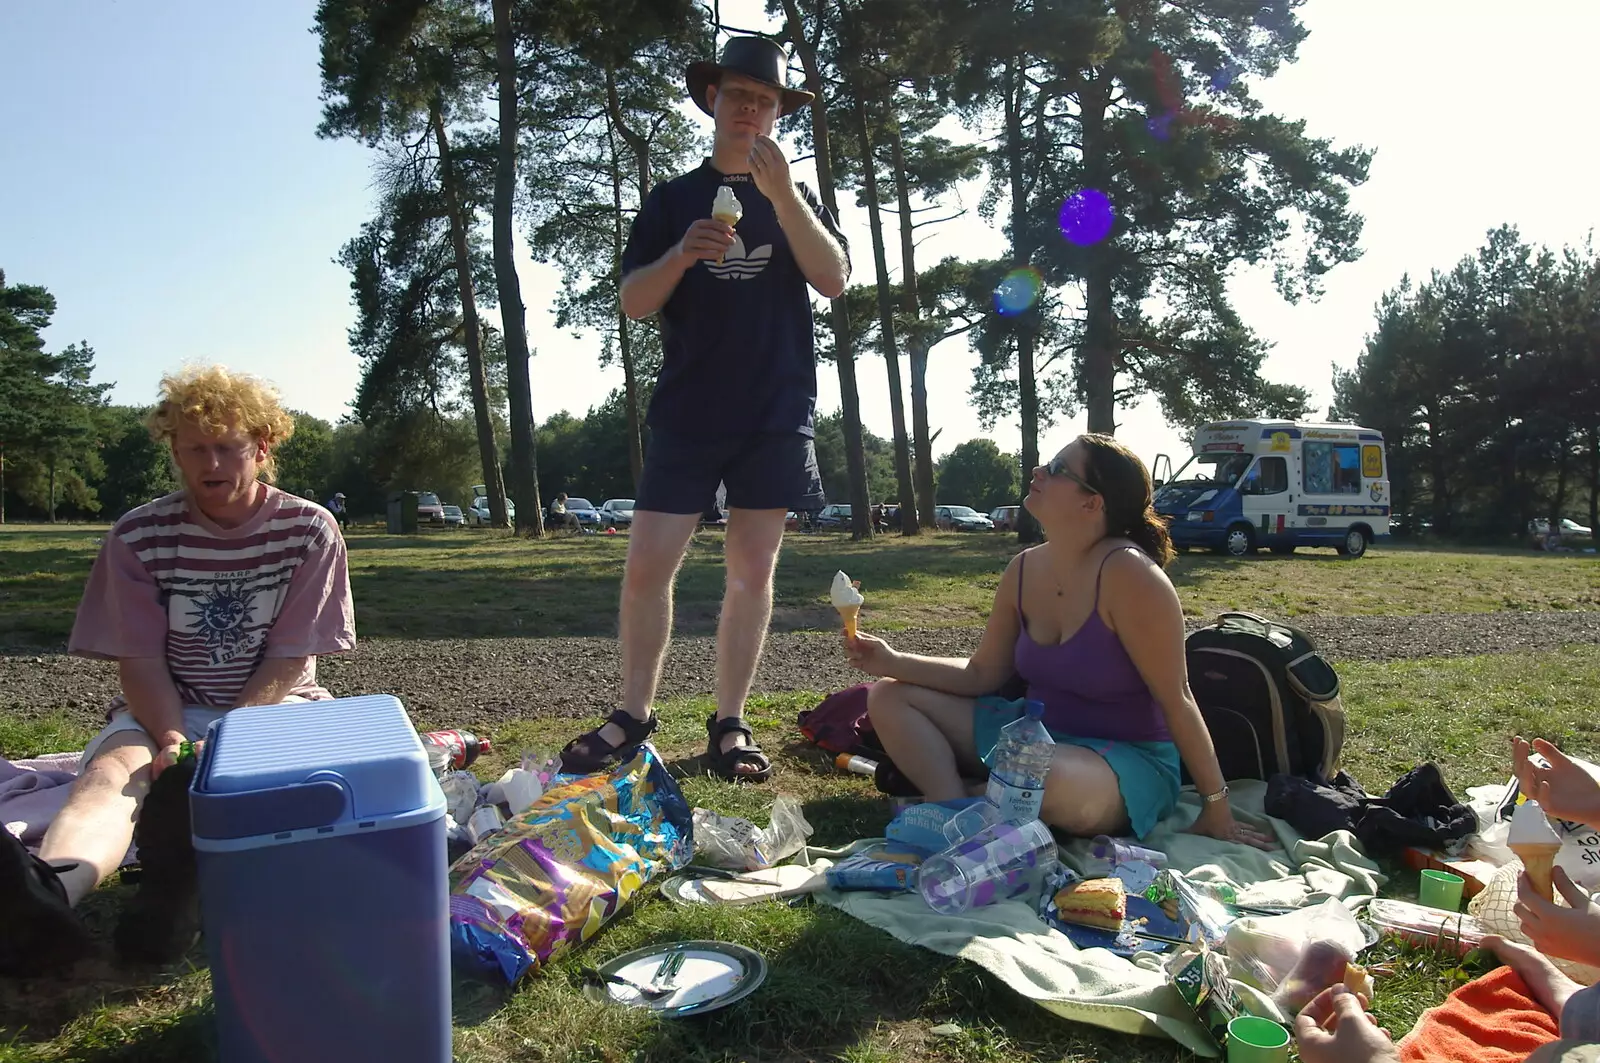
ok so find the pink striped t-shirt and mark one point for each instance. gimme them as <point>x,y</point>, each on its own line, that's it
<point>215,602</point>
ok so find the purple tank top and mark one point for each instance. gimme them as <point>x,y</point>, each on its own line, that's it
<point>1089,685</point>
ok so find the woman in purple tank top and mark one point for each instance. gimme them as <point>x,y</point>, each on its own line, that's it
<point>1091,624</point>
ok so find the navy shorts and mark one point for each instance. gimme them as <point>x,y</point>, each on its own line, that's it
<point>769,471</point>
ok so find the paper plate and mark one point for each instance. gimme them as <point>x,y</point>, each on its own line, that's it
<point>714,974</point>
<point>1155,921</point>
<point>684,889</point>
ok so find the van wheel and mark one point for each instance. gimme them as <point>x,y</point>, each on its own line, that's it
<point>1355,543</point>
<point>1241,541</point>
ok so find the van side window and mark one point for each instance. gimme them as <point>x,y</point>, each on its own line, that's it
<point>1332,468</point>
<point>1269,477</point>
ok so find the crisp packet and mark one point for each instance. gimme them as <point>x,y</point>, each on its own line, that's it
<point>875,869</point>
<point>554,875</point>
<point>1200,976</point>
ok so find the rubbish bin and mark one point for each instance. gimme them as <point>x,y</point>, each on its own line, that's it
<point>403,513</point>
<point>319,836</point>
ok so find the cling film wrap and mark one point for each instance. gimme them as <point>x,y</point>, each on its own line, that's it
<point>556,873</point>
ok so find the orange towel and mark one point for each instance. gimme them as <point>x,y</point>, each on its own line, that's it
<point>1493,1019</point>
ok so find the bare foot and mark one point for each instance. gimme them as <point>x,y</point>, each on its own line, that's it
<point>1549,986</point>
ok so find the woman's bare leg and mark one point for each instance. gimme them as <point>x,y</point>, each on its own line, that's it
<point>927,733</point>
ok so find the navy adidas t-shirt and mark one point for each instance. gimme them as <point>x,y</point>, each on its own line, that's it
<point>739,357</point>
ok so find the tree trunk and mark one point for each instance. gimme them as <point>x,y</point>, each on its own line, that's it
<point>52,488</point>
<point>1028,530</point>
<point>854,449</point>
<point>917,343</point>
<point>488,452</point>
<point>1100,322</point>
<point>1594,479</point>
<point>519,384</point>
<point>630,380</point>
<point>891,354</point>
<point>1436,470</point>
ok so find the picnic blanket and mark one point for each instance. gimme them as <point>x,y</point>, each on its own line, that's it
<point>1096,986</point>
<point>33,791</point>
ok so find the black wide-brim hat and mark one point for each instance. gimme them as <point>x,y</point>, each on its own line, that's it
<point>755,58</point>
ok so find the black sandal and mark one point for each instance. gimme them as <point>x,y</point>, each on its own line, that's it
<point>725,765</point>
<point>589,753</point>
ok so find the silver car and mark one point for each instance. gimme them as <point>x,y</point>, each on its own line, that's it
<point>616,513</point>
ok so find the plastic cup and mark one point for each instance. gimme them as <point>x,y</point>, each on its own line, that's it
<point>1441,889</point>
<point>1256,1040</point>
<point>1001,861</point>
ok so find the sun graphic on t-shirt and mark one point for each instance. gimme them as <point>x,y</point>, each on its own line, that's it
<point>219,616</point>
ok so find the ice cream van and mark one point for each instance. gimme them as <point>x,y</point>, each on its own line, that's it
<point>1278,484</point>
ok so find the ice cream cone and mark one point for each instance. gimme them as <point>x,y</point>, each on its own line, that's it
<point>1539,861</point>
<point>849,614</point>
<point>728,220</point>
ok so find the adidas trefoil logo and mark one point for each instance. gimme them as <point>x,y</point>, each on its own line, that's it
<point>739,264</point>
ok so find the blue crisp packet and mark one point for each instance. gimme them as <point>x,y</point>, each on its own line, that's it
<point>875,869</point>
<point>920,828</point>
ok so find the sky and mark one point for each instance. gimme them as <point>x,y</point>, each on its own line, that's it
<point>160,173</point>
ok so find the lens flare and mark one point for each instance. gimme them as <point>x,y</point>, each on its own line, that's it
<point>1087,217</point>
<point>1017,291</point>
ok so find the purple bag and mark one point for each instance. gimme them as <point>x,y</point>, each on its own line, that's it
<point>839,724</point>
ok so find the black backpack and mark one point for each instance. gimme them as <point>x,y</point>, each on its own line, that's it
<point>1268,698</point>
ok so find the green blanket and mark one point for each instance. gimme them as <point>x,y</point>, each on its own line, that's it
<point>1096,986</point>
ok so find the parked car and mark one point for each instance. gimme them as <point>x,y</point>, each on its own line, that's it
<point>1539,531</point>
<point>478,513</point>
<point>791,521</point>
<point>429,509</point>
<point>585,510</point>
<point>617,513</point>
<point>1004,518</point>
<point>961,518</point>
<point>834,516</point>
<point>453,517</point>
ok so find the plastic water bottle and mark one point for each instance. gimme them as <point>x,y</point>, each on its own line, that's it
<point>1018,765</point>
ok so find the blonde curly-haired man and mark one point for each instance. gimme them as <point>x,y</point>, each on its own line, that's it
<point>221,594</point>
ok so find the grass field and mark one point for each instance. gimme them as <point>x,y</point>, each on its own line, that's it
<point>838,989</point>
<point>475,584</point>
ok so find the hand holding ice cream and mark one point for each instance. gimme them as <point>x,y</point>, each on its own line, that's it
<point>846,596</point>
<point>1536,844</point>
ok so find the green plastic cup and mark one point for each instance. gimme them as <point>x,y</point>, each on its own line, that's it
<point>1256,1040</point>
<point>1441,889</point>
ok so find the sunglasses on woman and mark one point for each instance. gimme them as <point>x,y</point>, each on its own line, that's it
<point>1058,467</point>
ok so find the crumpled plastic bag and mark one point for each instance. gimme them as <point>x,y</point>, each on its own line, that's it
<point>736,844</point>
<point>1267,948</point>
<point>554,875</point>
<point>1493,908</point>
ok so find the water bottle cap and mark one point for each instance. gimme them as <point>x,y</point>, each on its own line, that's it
<point>1035,709</point>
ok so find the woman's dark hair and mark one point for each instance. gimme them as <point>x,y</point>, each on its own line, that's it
<point>1123,481</point>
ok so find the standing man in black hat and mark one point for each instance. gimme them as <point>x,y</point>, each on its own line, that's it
<point>736,396</point>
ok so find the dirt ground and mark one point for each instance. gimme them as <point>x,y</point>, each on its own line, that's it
<point>471,682</point>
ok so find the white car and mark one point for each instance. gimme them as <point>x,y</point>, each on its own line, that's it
<point>478,512</point>
<point>961,518</point>
<point>1570,529</point>
<point>616,513</point>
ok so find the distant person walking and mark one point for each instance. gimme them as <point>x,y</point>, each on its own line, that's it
<point>727,254</point>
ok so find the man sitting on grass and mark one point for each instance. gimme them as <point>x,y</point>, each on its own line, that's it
<point>218,595</point>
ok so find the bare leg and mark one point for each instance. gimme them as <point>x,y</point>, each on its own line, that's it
<point>1549,986</point>
<point>751,548</point>
<point>927,733</point>
<point>95,826</point>
<point>1081,795</point>
<point>655,550</point>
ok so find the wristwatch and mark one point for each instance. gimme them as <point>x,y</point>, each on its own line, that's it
<point>1220,795</point>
